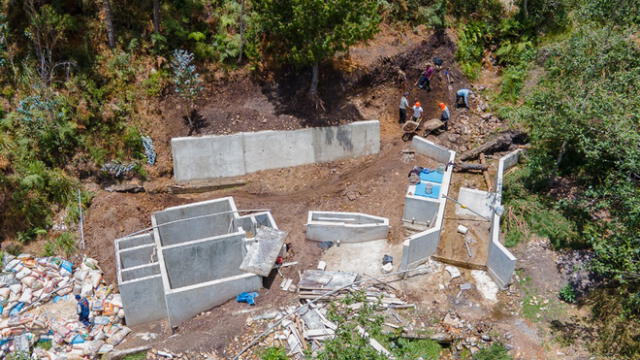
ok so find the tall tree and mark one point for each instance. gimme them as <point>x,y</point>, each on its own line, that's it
<point>156,16</point>
<point>306,32</point>
<point>108,22</point>
<point>46,29</point>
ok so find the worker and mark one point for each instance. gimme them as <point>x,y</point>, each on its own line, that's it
<point>417,112</point>
<point>424,82</point>
<point>83,310</point>
<point>404,104</point>
<point>463,94</point>
<point>445,115</point>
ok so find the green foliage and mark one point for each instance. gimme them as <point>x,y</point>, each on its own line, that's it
<point>568,294</point>
<point>306,32</point>
<point>413,349</point>
<point>274,353</point>
<point>18,355</point>
<point>136,356</point>
<point>496,351</point>
<point>155,84</point>
<point>544,16</point>
<point>526,213</point>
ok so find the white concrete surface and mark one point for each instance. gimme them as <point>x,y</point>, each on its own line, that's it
<point>362,258</point>
<point>477,200</point>
<point>346,227</point>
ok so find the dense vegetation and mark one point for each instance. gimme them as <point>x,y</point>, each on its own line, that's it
<point>74,75</point>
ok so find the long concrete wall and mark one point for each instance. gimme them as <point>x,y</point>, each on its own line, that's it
<point>207,157</point>
<point>500,262</point>
<point>418,247</point>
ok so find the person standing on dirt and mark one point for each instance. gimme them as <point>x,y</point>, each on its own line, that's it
<point>417,112</point>
<point>445,115</point>
<point>83,310</point>
<point>463,94</point>
<point>404,104</point>
<point>424,82</point>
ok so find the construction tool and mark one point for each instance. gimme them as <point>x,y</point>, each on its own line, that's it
<point>465,206</point>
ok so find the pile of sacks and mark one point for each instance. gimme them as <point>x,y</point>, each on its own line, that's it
<point>38,306</point>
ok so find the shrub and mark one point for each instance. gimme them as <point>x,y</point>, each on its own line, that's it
<point>496,351</point>
<point>274,353</point>
<point>568,294</point>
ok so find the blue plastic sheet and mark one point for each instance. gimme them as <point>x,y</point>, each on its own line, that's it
<point>431,175</point>
<point>16,309</point>
<point>67,266</point>
<point>247,297</point>
<point>435,191</point>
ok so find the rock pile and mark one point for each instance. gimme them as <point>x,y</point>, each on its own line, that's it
<point>39,309</point>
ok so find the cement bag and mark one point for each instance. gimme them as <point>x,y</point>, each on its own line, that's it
<point>105,349</point>
<point>23,273</point>
<point>64,291</point>
<point>13,297</point>
<point>15,288</point>
<point>87,288</point>
<point>91,347</point>
<point>4,293</point>
<point>81,274</point>
<point>116,300</point>
<point>26,296</point>
<point>95,277</point>
<point>37,285</point>
<point>119,336</point>
<point>92,263</point>
<point>28,281</point>
<point>7,279</point>
<point>37,295</point>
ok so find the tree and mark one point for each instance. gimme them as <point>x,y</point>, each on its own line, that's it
<point>306,32</point>
<point>108,22</point>
<point>156,16</point>
<point>187,82</point>
<point>46,29</point>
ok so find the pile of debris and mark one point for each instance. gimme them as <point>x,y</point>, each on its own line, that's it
<point>38,306</point>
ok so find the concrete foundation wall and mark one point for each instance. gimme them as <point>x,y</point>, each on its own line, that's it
<point>134,241</point>
<point>434,151</point>
<point>185,303</point>
<point>208,157</point>
<point>345,227</point>
<point>204,260</point>
<point>500,262</point>
<point>418,247</point>
<point>136,256</point>
<point>140,272</point>
<point>174,230</point>
<point>420,211</point>
<point>144,300</point>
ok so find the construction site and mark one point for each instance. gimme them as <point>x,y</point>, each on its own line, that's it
<point>268,217</point>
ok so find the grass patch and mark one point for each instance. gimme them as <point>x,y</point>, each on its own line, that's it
<point>496,351</point>
<point>137,356</point>
<point>274,353</point>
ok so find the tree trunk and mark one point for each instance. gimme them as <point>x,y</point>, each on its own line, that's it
<point>241,31</point>
<point>313,89</point>
<point>498,143</point>
<point>108,19</point>
<point>156,16</point>
<point>525,9</point>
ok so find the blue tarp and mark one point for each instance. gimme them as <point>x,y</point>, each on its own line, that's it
<point>431,175</point>
<point>435,191</point>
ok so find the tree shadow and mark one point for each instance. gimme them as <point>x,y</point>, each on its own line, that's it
<point>197,123</point>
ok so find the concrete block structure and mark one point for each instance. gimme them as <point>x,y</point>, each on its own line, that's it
<point>424,208</point>
<point>208,157</point>
<point>345,227</point>
<point>424,212</point>
<point>188,263</point>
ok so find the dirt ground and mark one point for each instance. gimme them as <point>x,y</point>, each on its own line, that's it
<point>366,85</point>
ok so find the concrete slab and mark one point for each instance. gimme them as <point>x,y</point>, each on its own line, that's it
<point>362,258</point>
<point>477,200</point>
<point>345,227</point>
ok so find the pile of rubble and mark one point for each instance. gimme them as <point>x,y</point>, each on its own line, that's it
<point>38,306</point>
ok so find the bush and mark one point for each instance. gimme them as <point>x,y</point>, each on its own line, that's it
<point>496,351</point>
<point>568,294</point>
<point>274,353</point>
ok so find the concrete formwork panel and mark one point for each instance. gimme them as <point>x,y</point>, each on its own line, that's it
<point>204,260</point>
<point>420,211</point>
<point>207,157</point>
<point>345,227</point>
<point>476,202</point>
<point>185,303</point>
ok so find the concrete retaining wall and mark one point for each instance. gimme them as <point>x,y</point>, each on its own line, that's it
<point>345,227</point>
<point>185,303</point>
<point>207,157</point>
<point>418,247</point>
<point>500,262</point>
